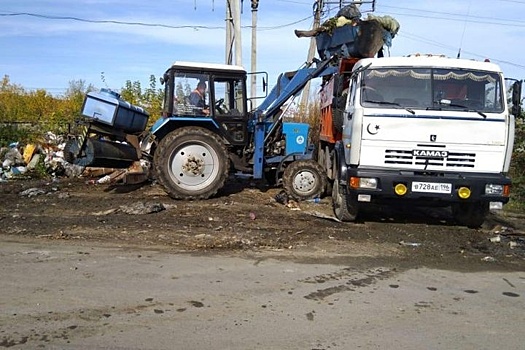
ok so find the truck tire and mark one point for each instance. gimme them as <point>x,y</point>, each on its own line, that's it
<point>304,179</point>
<point>191,163</point>
<point>342,208</point>
<point>471,215</point>
<point>324,158</point>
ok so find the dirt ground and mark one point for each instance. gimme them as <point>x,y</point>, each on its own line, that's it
<point>246,217</point>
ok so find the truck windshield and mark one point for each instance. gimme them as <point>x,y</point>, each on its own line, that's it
<point>432,88</point>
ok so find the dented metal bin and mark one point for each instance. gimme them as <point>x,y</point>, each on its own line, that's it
<point>107,108</point>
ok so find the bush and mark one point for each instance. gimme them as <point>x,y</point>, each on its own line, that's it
<point>15,133</point>
<point>517,171</point>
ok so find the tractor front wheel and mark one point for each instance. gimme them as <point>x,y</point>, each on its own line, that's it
<point>304,179</point>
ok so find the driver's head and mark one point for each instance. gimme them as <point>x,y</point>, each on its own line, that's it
<point>201,86</point>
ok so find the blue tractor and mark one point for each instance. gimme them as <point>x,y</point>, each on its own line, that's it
<point>206,132</point>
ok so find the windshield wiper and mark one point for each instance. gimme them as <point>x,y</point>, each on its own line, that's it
<point>388,103</point>
<point>449,103</point>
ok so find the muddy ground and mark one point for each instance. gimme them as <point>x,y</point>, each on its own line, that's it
<point>246,217</point>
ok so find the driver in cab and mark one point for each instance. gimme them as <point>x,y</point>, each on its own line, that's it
<point>197,98</point>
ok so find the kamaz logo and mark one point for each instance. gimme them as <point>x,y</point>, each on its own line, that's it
<point>429,153</point>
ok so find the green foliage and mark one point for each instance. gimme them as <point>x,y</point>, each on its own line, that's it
<point>151,98</point>
<point>27,115</point>
<point>40,170</point>
<point>15,132</point>
<point>517,171</point>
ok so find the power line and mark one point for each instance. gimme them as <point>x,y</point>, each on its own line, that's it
<point>144,24</point>
<point>106,21</point>
<point>449,47</point>
<point>514,1</point>
<point>455,17</point>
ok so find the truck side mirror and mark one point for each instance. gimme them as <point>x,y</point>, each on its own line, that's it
<point>516,98</point>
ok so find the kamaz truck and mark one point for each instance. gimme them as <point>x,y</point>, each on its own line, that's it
<point>420,130</point>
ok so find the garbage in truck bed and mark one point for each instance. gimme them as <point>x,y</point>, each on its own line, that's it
<point>108,108</point>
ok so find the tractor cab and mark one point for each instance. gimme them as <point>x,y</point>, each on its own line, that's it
<point>214,93</point>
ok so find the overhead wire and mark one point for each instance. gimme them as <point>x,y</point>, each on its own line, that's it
<point>107,21</point>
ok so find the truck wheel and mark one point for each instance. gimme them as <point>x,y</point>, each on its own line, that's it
<point>304,179</point>
<point>342,210</point>
<point>191,163</point>
<point>471,215</point>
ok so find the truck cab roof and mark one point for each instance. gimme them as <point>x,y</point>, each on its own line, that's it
<point>427,61</point>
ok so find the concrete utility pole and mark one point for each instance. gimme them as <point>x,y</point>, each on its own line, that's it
<point>236,12</point>
<point>253,89</point>
<point>233,32</point>
<point>229,33</point>
<point>318,7</point>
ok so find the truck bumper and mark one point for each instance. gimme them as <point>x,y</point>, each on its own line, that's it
<point>426,188</point>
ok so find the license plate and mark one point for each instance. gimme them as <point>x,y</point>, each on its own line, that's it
<point>431,187</point>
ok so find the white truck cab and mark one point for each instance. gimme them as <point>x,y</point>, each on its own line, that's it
<point>429,130</point>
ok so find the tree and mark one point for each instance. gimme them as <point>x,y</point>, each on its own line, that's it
<point>151,99</point>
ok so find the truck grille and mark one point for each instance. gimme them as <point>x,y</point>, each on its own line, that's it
<point>454,159</point>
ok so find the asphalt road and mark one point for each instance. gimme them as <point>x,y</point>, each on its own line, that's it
<point>57,295</point>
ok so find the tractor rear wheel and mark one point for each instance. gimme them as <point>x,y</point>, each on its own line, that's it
<point>191,163</point>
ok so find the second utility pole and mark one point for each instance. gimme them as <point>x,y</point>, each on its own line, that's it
<point>318,7</point>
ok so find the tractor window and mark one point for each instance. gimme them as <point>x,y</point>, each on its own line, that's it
<point>191,96</point>
<point>229,96</point>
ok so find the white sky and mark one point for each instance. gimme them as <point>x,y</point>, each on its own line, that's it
<point>48,53</point>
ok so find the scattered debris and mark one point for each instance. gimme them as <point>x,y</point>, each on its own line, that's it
<point>509,236</point>
<point>141,208</point>
<point>282,197</point>
<point>323,216</point>
<point>409,244</point>
<point>32,192</point>
<point>495,239</point>
<point>104,212</point>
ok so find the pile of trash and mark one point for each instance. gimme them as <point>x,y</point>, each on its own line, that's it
<point>47,159</point>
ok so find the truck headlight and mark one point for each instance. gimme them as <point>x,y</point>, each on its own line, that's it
<point>498,190</point>
<point>363,182</point>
